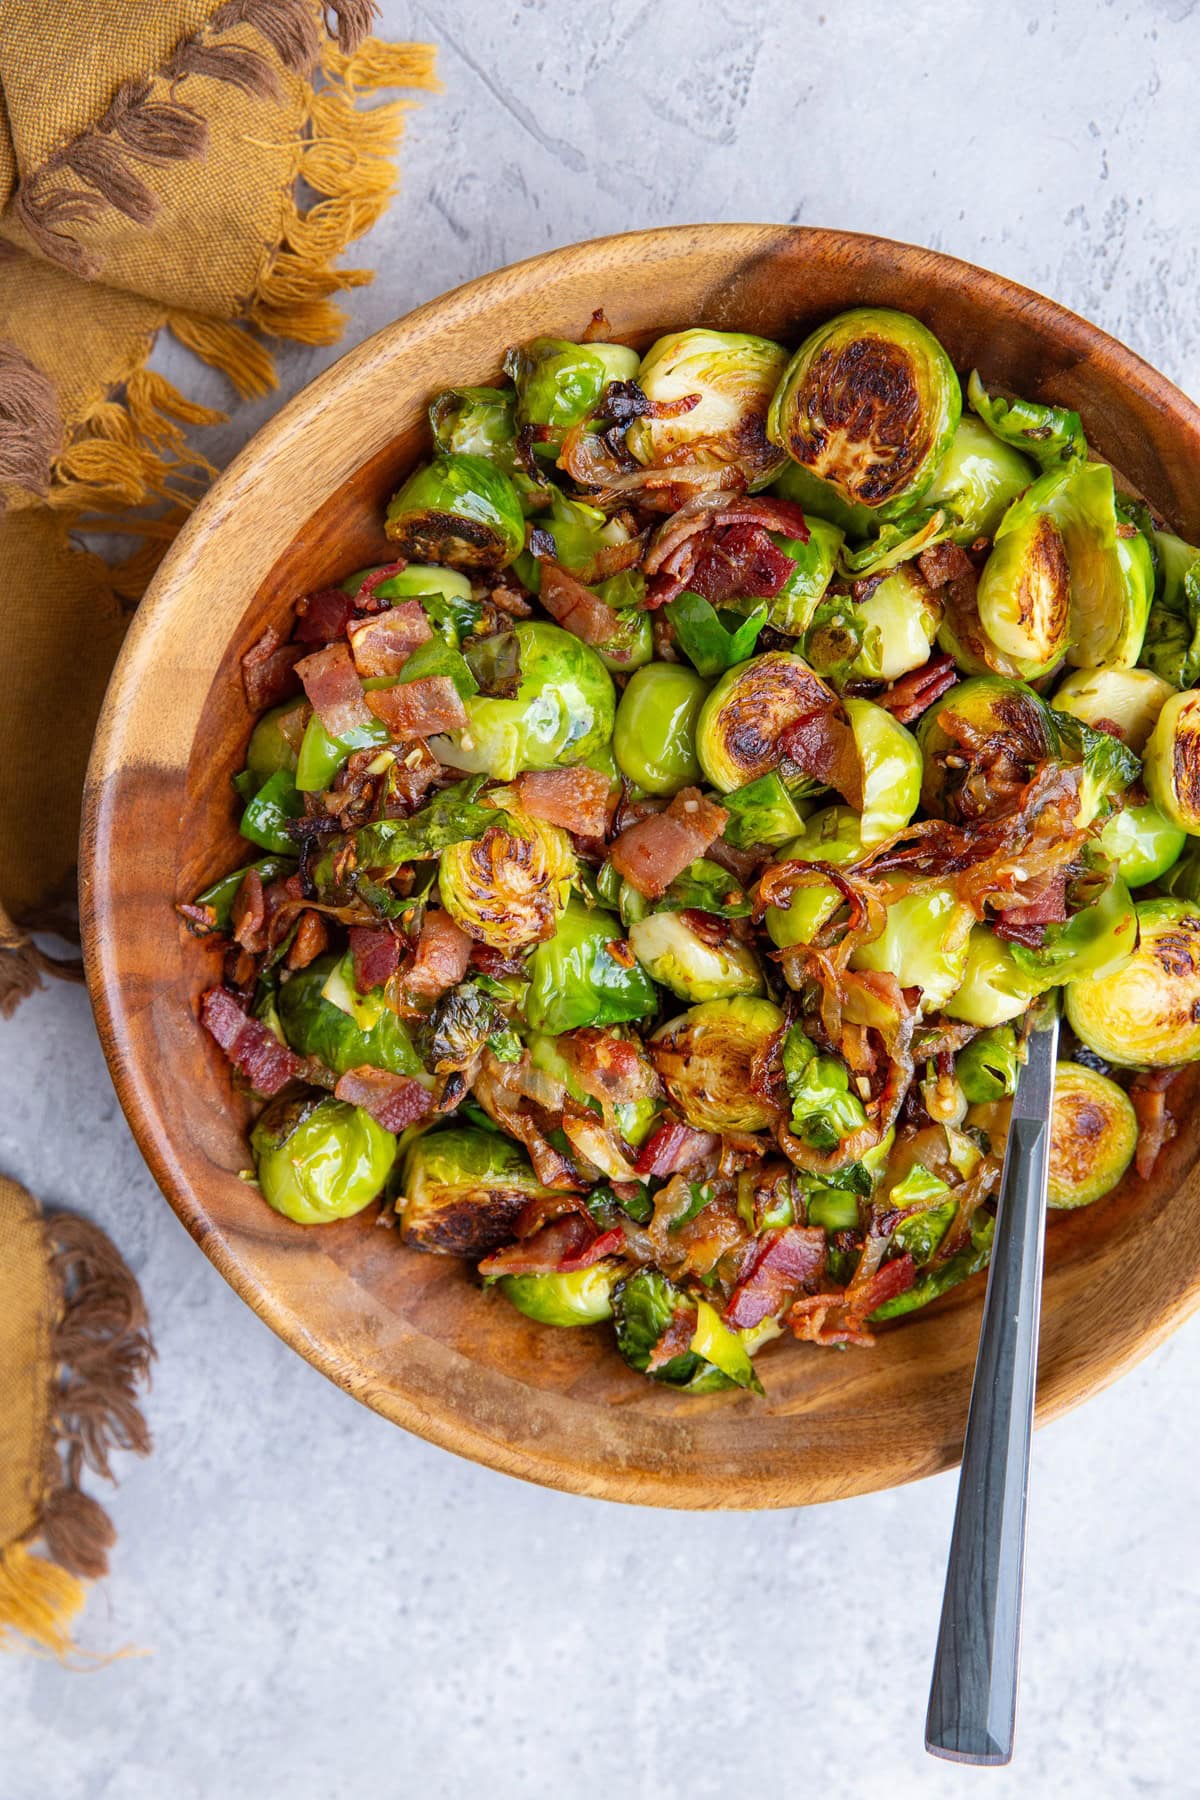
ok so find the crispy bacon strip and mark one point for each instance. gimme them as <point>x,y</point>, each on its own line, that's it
<point>822,744</point>
<point>840,1317</point>
<point>907,698</point>
<point>780,1262</point>
<point>568,1243</point>
<point>331,683</point>
<point>576,799</point>
<point>1039,904</point>
<point>740,561</point>
<point>680,545</point>
<point>383,643</point>
<point>442,955</point>
<point>323,616</point>
<point>1156,1127</point>
<point>419,709</point>
<point>376,953</point>
<point>675,1341</point>
<point>268,670</point>
<point>574,606</point>
<point>267,1064</point>
<point>653,852</point>
<point>674,1146</point>
<point>393,1101</point>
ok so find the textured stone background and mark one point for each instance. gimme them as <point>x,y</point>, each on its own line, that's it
<point>332,1609</point>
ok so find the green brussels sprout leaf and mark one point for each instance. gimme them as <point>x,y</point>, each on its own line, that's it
<point>1051,435</point>
<point>986,1068</point>
<point>576,979</point>
<point>824,1111</point>
<point>267,815</point>
<point>714,641</point>
<point>762,812</point>
<point>316,1025</point>
<point>833,640</point>
<point>453,817</point>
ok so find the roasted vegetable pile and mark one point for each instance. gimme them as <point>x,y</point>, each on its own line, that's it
<point>656,862</point>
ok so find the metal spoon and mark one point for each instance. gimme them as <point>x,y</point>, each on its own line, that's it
<point>973,1695</point>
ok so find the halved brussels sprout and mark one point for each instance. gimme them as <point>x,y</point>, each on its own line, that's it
<point>586,974</point>
<point>275,740</point>
<point>977,480</point>
<point>562,712</point>
<point>831,836</point>
<point>1024,593</point>
<point>1147,1014</point>
<point>793,606</point>
<point>986,1068</point>
<point>654,738</point>
<point>900,619</point>
<point>458,509</point>
<point>462,1189</point>
<point>558,383</point>
<point>1172,643</point>
<point>576,1297</point>
<point>1172,761</point>
<point>476,421</point>
<point>1142,842</point>
<point>1110,590</point>
<point>734,374</point>
<point>1093,1135</point>
<point>679,959</point>
<point>345,1032</point>
<point>869,404</point>
<point>740,723</point>
<point>959,737</point>
<point>508,887</point>
<point>994,987</point>
<point>705,1056</point>
<point>891,770</point>
<point>320,1161</point>
<point>1126,702</point>
<point>923,944</point>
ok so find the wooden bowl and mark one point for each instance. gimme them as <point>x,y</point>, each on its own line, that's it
<point>413,1335</point>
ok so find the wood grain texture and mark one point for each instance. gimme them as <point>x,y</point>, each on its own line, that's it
<point>412,1335</point>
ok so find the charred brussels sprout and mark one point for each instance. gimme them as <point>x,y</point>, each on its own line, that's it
<point>586,975</point>
<point>559,383</point>
<point>476,421</point>
<point>977,480</point>
<point>793,606</point>
<point>1172,761</point>
<point>741,723</point>
<point>1147,1013</point>
<point>923,944</point>
<point>961,735</point>
<point>869,404</point>
<point>705,1057</point>
<point>561,713</point>
<point>322,1014</point>
<point>1110,587</point>
<point>1093,1135</point>
<point>994,987</point>
<point>899,619</point>
<point>508,887</point>
<point>320,1161</point>
<point>1126,702</point>
<point>462,1189</point>
<point>654,739</point>
<point>1024,593</point>
<point>574,1297</point>
<point>678,958</point>
<point>733,376</point>
<point>890,760</point>
<point>458,509</point>
<point>831,836</point>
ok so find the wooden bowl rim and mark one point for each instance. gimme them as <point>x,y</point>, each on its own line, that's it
<point>112,1011</point>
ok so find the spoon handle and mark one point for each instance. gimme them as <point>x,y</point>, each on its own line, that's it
<point>973,1695</point>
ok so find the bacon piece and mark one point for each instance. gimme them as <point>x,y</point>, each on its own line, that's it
<point>376,953</point>
<point>366,598</point>
<point>382,643</point>
<point>1045,903</point>
<point>1156,1127</point>
<point>609,1069</point>
<point>269,670</point>
<point>312,937</point>
<point>418,709</point>
<point>740,561</point>
<point>323,616</point>
<point>679,545</point>
<point>248,913</point>
<point>780,1262</point>
<point>943,563</point>
<point>840,1317</point>
<point>576,799</point>
<point>822,744</point>
<point>393,1101</point>
<point>267,1064</point>
<point>908,697</point>
<point>568,1243</point>
<point>653,852</point>
<point>331,683</point>
<point>441,960</point>
<point>673,1147</point>
<point>675,1341</point>
<point>574,606</point>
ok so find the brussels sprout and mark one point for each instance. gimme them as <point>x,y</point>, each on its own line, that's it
<point>323,1015</point>
<point>462,1189</point>
<point>898,541</point>
<point>994,987</point>
<point>1125,702</point>
<point>267,814</point>
<point>899,619</point>
<point>833,1210</point>
<point>703,886</point>
<point>1097,940</point>
<point>819,501</point>
<point>891,770</point>
<point>762,812</point>
<point>508,887</point>
<point>1024,594</point>
<point>476,421</point>
<point>1147,1013</point>
<point>1051,435</point>
<point>1172,761</point>
<point>678,958</point>
<point>1093,1135</point>
<point>1183,879</point>
<point>458,509</point>
<point>577,1297</point>
<point>830,836</point>
<point>1172,643</point>
<point>922,1232</point>
<point>740,723</point>
<point>562,712</point>
<point>320,1161</point>
<point>869,404</point>
<point>987,709</point>
<point>1108,766</point>
<point>575,978</point>
<point>654,739</point>
<point>453,816</point>
<point>705,1055</point>
<point>923,944</point>
<point>1111,589</point>
<point>634,1119</point>
<point>734,374</point>
<point>986,1068</point>
<point>792,608</point>
<point>1142,843</point>
<point>714,641</point>
<point>559,383</point>
<point>977,480</point>
<point>824,1109</point>
<point>579,531</point>
<point>275,740</point>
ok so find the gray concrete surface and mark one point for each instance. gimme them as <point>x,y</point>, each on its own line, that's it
<point>330,1610</point>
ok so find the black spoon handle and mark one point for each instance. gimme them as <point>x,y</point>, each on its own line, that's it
<point>973,1696</point>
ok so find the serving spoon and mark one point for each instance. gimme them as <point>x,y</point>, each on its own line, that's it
<point>973,1695</point>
